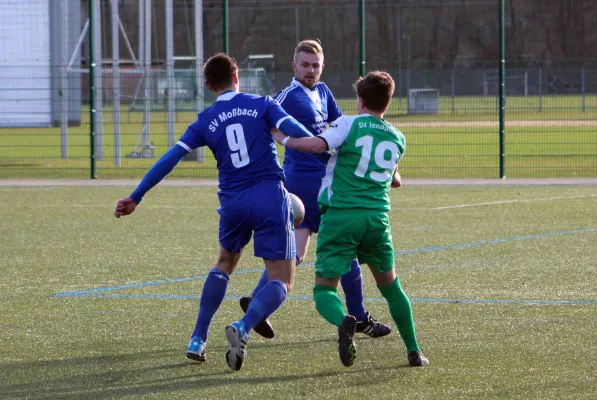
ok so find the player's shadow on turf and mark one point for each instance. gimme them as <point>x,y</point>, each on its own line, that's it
<point>137,374</point>
<point>267,343</point>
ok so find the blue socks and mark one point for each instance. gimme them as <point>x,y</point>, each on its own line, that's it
<point>213,293</point>
<point>352,284</point>
<point>265,303</point>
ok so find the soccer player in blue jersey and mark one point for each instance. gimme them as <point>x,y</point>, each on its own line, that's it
<point>312,103</point>
<point>253,199</point>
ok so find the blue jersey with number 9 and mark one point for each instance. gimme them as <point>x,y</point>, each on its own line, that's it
<point>236,128</point>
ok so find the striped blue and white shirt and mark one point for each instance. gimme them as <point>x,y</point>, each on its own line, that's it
<point>314,108</point>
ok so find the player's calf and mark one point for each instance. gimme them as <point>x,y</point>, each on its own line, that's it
<point>263,328</point>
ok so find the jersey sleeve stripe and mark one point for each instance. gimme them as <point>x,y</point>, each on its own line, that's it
<point>282,96</point>
<point>184,146</point>
<point>282,120</point>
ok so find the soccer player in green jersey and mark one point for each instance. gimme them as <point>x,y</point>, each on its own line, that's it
<point>354,204</point>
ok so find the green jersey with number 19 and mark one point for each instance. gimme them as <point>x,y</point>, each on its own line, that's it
<point>360,171</point>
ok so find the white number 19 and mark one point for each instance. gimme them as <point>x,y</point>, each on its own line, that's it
<point>366,142</point>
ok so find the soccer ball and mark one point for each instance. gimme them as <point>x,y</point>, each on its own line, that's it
<point>298,208</point>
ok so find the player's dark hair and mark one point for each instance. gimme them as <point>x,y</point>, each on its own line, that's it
<point>376,89</point>
<point>219,71</point>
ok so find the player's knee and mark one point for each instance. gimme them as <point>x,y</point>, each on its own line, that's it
<point>226,264</point>
<point>289,287</point>
<point>287,280</point>
<point>225,267</point>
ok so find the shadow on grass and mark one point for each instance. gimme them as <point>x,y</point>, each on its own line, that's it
<point>146,373</point>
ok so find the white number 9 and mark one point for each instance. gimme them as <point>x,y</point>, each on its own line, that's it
<point>237,144</point>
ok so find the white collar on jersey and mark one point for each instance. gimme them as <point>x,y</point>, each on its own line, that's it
<point>227,95</point>
<point>305,88</point>
<point>312,93</point>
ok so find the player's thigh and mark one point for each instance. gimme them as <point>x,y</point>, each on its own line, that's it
<point>340,233</point>
<point>273,224</point>
<point>377,248</point>
<point>235,226</point>
<point>306,189</point>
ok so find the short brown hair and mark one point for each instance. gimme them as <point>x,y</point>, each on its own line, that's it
<point>376,89</point>
<point>219,70</point>
<point>308,46</point>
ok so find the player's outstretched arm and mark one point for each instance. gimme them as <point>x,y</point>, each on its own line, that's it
<point>331,138</point>
<point>293,128</point>
<point>160,169</point>
<point>396,179</point>
<point>278,118</point>
<point>314,145</point>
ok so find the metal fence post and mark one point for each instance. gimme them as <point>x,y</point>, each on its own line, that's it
<point>362,28</point>
<point>170,69</point>
<point>582,88</point>
<point>116,81</point>
<point>453,87</point>
<point>226,26</point>
<point>502,89</point>
<point>64,108</point>
<point>91,92</point>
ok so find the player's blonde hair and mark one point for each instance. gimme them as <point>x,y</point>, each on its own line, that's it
<point>311,46</point>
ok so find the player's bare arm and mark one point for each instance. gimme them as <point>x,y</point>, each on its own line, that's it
<point>158,171</point>
<point>396,179</point>
<point>313,145</point>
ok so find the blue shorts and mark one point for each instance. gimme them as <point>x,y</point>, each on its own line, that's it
<point>262,210</point>
<point>306,189</point>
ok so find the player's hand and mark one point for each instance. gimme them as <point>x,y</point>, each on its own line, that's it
<point>124,207</point>
<point>278,136</point>
<point>396,180</point>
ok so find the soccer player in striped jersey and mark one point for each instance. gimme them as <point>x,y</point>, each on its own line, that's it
<point>253,199</point>
<point>312,103</point>
<point>355,204</point>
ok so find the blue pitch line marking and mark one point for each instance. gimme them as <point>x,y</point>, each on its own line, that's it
<point>251,271</point>
<point>152,283</point>
<point>415,300</point>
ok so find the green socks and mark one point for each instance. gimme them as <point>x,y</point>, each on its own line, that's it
<point>402,313</point>
<point>328,304</point>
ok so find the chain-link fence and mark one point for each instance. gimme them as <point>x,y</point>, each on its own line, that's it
<point>443,54</point>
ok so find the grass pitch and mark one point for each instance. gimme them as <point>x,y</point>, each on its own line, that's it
<point>502,280</point>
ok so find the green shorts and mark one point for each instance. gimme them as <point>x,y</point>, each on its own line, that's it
<point>345,234</point>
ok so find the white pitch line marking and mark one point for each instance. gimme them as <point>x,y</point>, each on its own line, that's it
<point>512,201</point>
